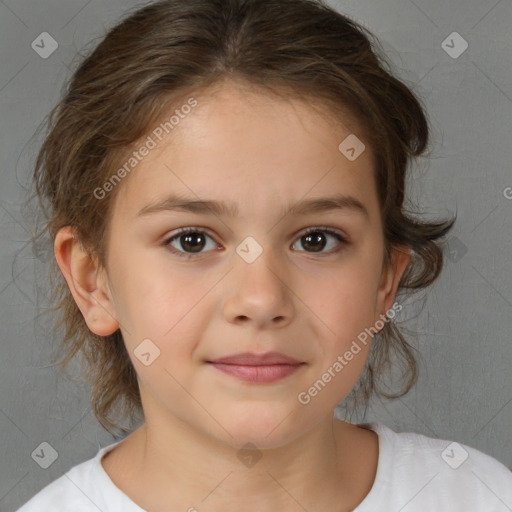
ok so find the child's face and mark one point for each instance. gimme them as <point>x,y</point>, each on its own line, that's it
<point>261,155</point>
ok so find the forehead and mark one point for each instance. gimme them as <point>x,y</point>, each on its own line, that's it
<point>251,147</point>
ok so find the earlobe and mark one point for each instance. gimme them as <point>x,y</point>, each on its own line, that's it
<point>400,258</point>
<point>86,281</point>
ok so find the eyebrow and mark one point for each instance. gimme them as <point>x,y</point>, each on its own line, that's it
<point>230,209</point>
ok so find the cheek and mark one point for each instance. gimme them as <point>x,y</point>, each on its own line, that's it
<point>167,308</point>
<point>346,298</point>
<point>347,306</point>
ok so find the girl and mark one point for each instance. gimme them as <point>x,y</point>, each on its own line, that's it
<point>225,182</point>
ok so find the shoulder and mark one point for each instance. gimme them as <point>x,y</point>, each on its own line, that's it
<point>65,493</point>
<point>421,472</point>
<point>59,495</point>
<point>84,488</point>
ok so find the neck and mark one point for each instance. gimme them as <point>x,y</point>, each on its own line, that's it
<point>326,465</point>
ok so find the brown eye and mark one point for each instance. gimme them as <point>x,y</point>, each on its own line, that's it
<point>316,239</point>
<point>189,241</point>
<point>192,242</point>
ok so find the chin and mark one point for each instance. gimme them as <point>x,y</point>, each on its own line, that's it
<point>263,427</point>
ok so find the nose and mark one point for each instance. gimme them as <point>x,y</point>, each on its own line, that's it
<point>258,293</point>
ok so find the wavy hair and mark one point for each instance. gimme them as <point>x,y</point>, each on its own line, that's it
<point>149,62</point>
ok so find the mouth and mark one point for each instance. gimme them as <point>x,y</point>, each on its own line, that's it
<point>257,368</point>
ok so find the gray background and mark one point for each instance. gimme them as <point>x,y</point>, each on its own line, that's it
<point>462,324</point>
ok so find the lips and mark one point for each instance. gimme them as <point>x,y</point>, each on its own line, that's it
<point>249,359</point>
<point>261,368</point>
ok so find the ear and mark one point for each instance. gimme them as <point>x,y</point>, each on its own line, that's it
<point>391,275</point>
<point>87,282</point>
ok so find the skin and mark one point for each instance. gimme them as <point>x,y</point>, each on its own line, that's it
<point>263,154</point>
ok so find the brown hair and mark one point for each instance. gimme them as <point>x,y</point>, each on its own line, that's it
<point>155,58</point>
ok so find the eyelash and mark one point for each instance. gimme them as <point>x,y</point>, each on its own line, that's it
<point>185,231</point>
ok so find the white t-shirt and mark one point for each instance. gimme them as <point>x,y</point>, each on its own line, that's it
<point>415,473</point>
